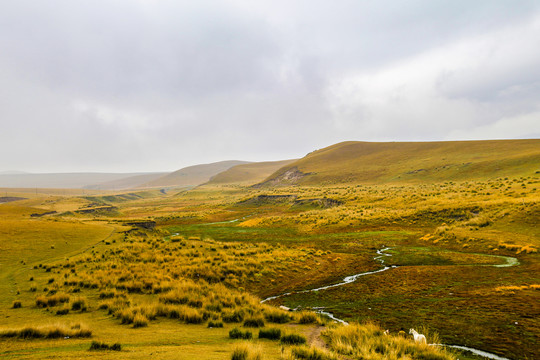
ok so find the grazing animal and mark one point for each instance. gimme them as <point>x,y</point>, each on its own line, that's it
<point>386,332</point>
<point>419,338</point>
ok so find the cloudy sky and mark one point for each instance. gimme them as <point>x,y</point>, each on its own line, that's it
<point>150,85</point>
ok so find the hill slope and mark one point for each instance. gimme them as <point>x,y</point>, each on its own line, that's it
<point>371,162</point>
<point>193,175</point>
<point>248,174</point>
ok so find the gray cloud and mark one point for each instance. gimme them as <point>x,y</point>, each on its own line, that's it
<point>156,85</point>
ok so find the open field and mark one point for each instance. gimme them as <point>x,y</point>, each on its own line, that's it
<point>211,253</point>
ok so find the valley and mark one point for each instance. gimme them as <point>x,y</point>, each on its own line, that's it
<point>175,272</point>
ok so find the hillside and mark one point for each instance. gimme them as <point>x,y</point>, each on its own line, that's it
<point>193,175</point>
<point>374,162</point>
<point>248,174</point>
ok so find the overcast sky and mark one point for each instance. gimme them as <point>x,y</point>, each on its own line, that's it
<point>149,85</point>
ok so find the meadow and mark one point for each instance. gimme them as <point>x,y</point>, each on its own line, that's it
<point>77,276</point>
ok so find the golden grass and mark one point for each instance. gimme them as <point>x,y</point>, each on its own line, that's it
<point>367,341</point>
<point>47,332</point>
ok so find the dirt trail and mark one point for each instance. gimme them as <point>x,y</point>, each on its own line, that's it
<point>314,337</point>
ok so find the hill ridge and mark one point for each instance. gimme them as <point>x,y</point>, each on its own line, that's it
<point>373,162</point>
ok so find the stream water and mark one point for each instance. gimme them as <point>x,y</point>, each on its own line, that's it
<point>381,254</point>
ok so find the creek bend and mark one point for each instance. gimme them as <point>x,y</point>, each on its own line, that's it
<point>381,254</point>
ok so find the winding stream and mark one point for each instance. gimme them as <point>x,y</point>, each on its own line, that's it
<point>509,261</point>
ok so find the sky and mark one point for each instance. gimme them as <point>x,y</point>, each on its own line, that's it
<point>150,85</point>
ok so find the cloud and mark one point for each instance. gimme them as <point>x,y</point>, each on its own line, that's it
<point>444,91</point>
<point>156,85</point>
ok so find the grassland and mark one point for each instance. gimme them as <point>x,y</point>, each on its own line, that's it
<point>216,251</point>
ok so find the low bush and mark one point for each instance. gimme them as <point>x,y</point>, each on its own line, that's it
<point>16,304</point>
<point>215,324</point>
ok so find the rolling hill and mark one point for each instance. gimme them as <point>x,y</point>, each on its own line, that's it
<point>375,162</point>
<point>193,175</point>
<point>248,174</point>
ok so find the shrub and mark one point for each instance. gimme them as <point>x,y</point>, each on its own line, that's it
<point>293,339</point>
<point>254,322</point>
<point>16,304</point>
<point>271,333</point>
<point>215,324</point>
<point>239,334</point>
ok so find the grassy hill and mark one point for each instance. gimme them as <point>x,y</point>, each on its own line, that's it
<point>193,175</point>
<point>248,174</point>
<point>374,162</point>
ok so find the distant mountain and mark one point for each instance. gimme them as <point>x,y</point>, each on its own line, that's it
<point>13,172</point>
<point>129,182</point>
<point>193,175</point>
<point>376,162</point>
<point>248,174</point>
<point>66,180</point>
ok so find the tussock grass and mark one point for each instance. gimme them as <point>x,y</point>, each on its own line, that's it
<point>307,317</point>
<point>96,345</point>
<point>293,339</point>
<point>215,324</point>
<point>47,332</point>
<point>247,351</point>
<point>139,320</point>
<point>367,341</point>
<point>52,300</point>
<point>270,333</point>
<point>312,353</point>
<point>79,304</point>
<point>236,333</point>
<point>277,316</point>
<point>254,321</point>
